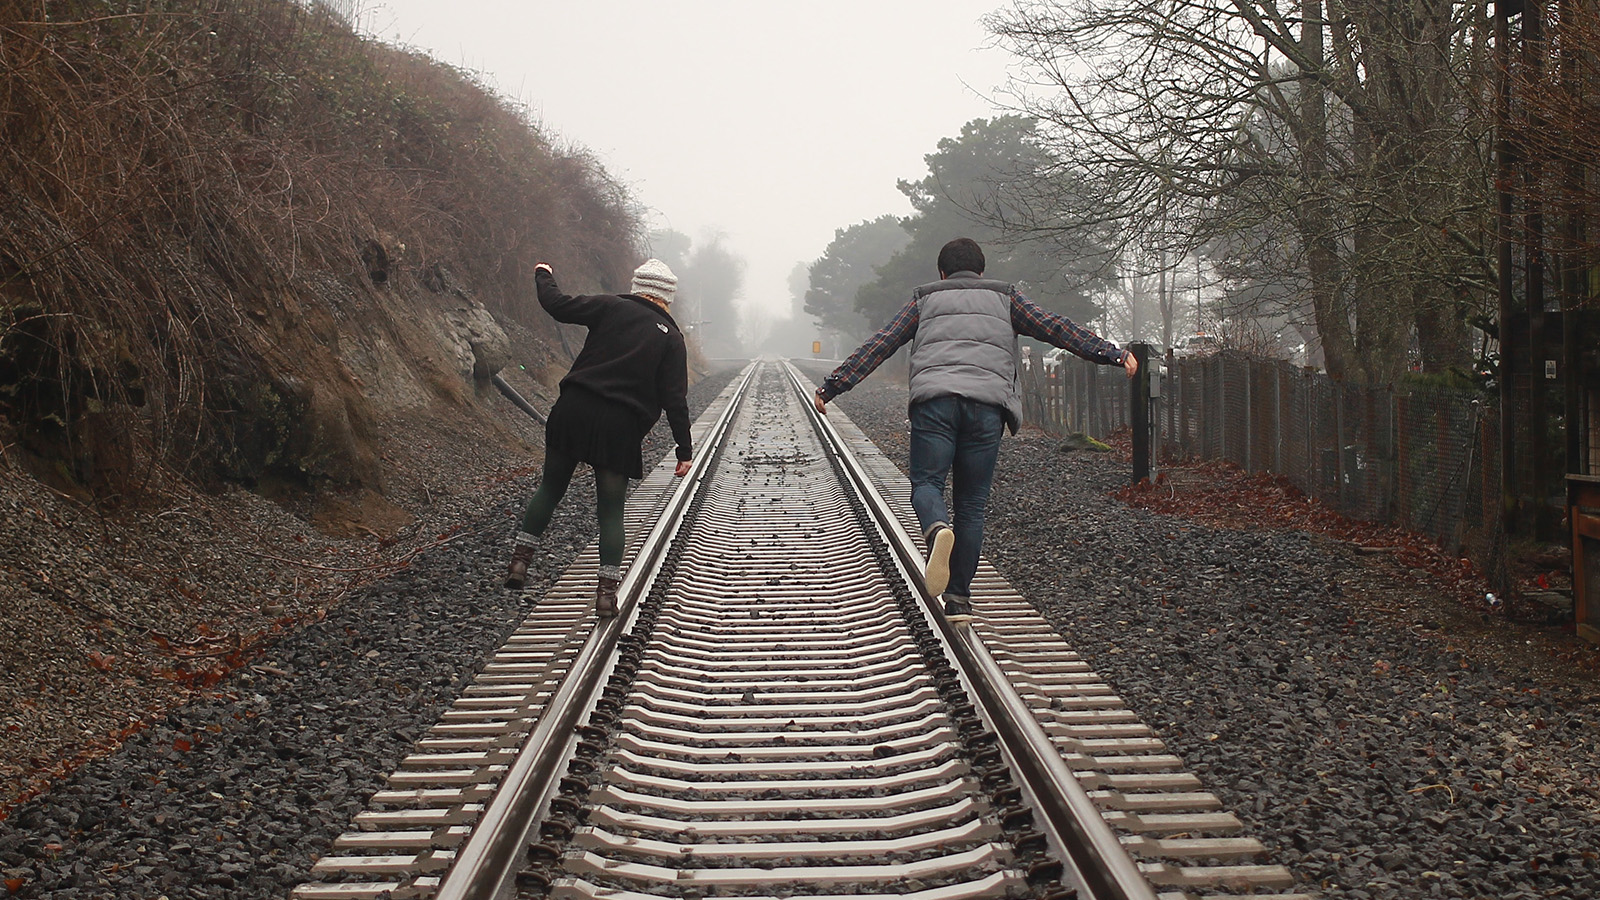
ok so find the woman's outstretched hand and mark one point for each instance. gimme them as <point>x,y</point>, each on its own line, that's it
<point>682,468</point>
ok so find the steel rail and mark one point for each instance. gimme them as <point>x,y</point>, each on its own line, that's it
<point>1091,852</point>
<point>489,859</point>
<point>787,671</point>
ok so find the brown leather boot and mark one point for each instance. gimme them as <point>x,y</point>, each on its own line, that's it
<point>521,555</point>
<point>605,591</point>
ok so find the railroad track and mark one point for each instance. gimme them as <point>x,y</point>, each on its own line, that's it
<point>780,711</point>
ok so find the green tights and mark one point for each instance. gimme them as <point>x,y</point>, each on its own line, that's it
<point>611,492</point>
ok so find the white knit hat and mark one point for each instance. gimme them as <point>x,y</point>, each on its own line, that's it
<point>654,279</point>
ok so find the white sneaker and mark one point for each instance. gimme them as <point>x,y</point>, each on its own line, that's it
<point>937,576</point>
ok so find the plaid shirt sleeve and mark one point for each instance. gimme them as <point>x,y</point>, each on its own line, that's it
<point>872,354</point>
<point>1030,319</point>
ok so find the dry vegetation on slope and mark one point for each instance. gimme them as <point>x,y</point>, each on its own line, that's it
<point>254,272</point>
<point>237,240</point>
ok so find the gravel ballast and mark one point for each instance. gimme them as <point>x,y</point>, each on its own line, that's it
<point>235,794</point>
<point>1376,753</point>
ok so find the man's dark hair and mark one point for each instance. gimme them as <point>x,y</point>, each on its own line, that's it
<point>961,255</point>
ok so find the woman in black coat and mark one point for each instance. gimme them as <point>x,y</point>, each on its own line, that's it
<point>632,367</point>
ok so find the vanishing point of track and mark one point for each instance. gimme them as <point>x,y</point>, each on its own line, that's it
<point>781,711</point>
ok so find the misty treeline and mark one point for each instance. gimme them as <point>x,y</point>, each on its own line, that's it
<point>710,283</point>
<point>1319,171</point>
<point>866,273</point>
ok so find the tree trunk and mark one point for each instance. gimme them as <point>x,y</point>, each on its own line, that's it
<point>1164,298</point>
<point>1315,218</point>
<point>1441,331</point>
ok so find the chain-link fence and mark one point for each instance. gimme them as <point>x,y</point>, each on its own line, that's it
<point>1421,458</point>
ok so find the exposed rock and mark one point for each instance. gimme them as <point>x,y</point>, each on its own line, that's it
<point>481,345</point>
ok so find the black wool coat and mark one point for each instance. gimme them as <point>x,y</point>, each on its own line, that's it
<point>634,355</point>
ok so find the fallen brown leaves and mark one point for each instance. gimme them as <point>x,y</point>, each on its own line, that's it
<point>1220,494</point>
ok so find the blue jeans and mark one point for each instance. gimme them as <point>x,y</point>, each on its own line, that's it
<point>959,438</point>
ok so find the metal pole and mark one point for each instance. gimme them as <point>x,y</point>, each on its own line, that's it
<point>1313,486</point>
<point>1534,47</point>
<point>1091,380</point>
<point>1178,406</point>
<point>1139,412</point>
<point>1503,164</point>
<point>1573,339</point>
<point>1338,444</point>
<point>1277,419</point>
<point>1249,414</point>
<point>1222,403</point>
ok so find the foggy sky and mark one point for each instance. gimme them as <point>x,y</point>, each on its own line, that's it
<point>773,123</point>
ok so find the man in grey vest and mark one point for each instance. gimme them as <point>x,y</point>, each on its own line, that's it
<point>963,331</point>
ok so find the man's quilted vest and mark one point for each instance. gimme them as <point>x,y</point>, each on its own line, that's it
<point>965,345</point>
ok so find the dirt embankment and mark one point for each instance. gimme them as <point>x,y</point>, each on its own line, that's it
<point>255,274</point>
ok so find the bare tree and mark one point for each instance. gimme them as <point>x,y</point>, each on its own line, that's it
<point>1552,128</point>
<point>1338,141</point>
<point>1140,306</point>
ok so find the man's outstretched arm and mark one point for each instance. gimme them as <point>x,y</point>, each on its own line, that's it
<point>869,355</point>
<point>1030,319</point>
